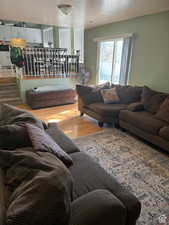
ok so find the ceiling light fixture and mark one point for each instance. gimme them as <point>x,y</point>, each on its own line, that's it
<point>65,8</point>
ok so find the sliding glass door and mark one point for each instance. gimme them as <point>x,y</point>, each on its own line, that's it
<point>110,61</point>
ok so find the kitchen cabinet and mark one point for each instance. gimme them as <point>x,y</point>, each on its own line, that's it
<point>5,58</point>
<point>31,35</point>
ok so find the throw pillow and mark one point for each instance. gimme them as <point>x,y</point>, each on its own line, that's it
<point>12,130</point>
<point>91,94</point>
<point>13,136</point>
<point>61,139</point>
<point>129,94</point>
<point>110,95</point>
<point>14,115</point>
<point>152,99</point>
<point>163,112</point>
<point>41,141</point>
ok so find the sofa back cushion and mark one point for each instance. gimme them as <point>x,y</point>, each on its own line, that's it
<point>91,94</point>
<point>152,99</point>
<point>163,112</point>
<point>14,136</point>
<point>40,188</point>
<point>12,130</point>
<point>129,94</point>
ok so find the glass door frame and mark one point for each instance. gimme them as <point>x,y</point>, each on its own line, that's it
<point>99,58</point>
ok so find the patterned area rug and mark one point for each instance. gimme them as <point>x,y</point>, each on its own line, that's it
<point>137,166</point>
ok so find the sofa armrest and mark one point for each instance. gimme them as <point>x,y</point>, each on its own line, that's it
<point>135,107</point>
<point>61,139</point>
<point>98,207</point>
<point>88,95</point>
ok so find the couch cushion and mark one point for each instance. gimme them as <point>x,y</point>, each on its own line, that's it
<point>12,130</point>
<point>110,95</point>
<point>163,112</point>
<point>61,139</point>
<point>152,99</point>
<point>107,109</point>
<point>91,94</point>
<point>104,208</point>
<point>129,94</point>
<point>89,176</point>
<point>164,133</point>
<point>14,136</point>
<point>41,141</point>
<point>41,188</point>
<point>142,120</point>
<point>14,115</point>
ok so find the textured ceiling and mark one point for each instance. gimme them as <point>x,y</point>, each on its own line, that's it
<point>88,13</point>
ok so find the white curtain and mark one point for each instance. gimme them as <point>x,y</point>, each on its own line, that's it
<point>126,60</point>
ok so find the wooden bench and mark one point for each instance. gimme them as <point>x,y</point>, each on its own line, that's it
<point>48,96</point>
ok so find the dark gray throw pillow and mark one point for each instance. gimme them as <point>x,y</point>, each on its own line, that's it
<point>41,141</point>
<point>12,130</point>
<point>14,115</point>
<point>14,136</point>
<point>91,94</point>
<point>61,139</point>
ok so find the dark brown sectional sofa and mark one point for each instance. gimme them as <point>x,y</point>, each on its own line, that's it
<point>137,111</point>
<point>96,197</point>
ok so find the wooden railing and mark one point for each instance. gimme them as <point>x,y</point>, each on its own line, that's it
<point>48,62</point>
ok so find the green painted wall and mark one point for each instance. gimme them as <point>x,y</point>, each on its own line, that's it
<point>61,83</point>
<point>150,60</point>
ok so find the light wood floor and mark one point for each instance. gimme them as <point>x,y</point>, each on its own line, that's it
<point>68,119</point>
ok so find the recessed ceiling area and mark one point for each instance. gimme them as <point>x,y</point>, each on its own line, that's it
<point>88,13</point>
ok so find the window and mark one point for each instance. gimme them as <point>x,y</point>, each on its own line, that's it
<point>79,42</point>
<point>114,60</point>
<point>48,37</point>
<point>65,39</point>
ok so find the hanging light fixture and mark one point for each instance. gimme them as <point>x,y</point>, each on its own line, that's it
<point>18,42</point>
<point>65,8</point>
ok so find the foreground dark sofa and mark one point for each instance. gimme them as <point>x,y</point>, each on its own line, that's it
<point>138,110</point>
<point>97,197</point>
